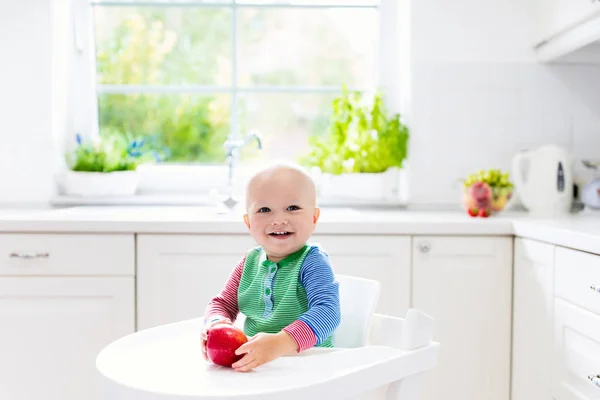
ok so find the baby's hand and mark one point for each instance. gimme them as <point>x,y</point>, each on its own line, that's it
<point>204,334</point>
<point>262,348</point>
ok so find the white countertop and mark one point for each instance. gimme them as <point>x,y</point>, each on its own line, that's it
<point>579,231</point>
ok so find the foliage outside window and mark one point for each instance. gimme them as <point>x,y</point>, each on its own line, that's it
<point>168,74</point>
<point>190,128</point>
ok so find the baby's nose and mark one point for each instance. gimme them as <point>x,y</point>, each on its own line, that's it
<point>279,221</point>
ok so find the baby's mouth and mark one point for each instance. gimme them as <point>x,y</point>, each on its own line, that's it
<point>281,234</point>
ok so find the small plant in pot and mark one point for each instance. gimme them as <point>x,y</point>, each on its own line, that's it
<point>363,150</point>
<point>106,166</point>
<point>486,192</point>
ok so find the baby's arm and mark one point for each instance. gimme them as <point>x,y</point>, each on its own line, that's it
<point>223,307</point>
<point>312,327</point>
<point>225,304</point>
<point>323,315</point>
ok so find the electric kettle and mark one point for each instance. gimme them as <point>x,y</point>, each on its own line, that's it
<point>543,179</point>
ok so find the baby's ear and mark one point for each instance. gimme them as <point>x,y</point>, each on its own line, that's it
<point>247,220</point>
<point>316,215</point>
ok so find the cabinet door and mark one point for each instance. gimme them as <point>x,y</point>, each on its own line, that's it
<point>553,17</point>
<point>532,320</point>
<point>465,284</point>
<point>577,357</point>
<point>382,258</point>
<point>52,330</point>
<point>576,275</point>
<point>177,275</point>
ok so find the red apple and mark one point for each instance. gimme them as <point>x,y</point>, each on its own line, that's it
<point>481,193</point>
<point>223,340</point>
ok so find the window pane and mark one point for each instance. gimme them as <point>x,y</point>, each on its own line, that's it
<point>169,45</point>
<point>285,121</point>
<point>191,128</point>
<point>298,46</point>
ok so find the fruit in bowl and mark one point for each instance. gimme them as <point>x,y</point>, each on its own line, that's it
<point>486,192</point>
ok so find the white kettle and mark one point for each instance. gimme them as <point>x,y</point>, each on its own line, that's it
<point>543,180</point>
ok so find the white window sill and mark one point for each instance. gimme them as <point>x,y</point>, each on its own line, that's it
<point>203,185</point>
<point>194,201</point>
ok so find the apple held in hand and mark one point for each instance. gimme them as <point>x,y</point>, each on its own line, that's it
<point>223,340</point>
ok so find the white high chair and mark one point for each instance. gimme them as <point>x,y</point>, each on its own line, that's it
<point>376,357</point>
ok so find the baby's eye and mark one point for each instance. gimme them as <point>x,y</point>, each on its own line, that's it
<point>293,208</point>
<point>264,209</point>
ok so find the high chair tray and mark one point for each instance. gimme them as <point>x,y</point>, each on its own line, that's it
<point>166,363</point>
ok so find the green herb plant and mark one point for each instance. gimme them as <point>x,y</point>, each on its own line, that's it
<point>362,138</point>
<point>110,153</point>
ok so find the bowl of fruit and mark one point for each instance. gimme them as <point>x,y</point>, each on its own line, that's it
<point>486,193</point>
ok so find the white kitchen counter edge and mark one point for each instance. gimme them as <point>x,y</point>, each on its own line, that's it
<point>580,232</point>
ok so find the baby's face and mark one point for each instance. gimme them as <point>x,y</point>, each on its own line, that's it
<point>281,215</point>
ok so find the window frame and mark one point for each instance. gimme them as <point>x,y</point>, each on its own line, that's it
<point>167,178</point>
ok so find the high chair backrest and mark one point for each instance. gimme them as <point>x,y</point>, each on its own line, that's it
<point>358,299</point>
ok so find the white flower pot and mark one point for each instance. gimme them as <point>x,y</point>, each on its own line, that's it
<point>97,184</point>
<point>389,186</point>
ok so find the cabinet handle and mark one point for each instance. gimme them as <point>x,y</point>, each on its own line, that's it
<point>595,288</point>
<point>424,247</point>
<point>28,255</point>
<point>595,379</point>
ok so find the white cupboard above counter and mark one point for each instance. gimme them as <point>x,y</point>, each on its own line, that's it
<point>562,27</point>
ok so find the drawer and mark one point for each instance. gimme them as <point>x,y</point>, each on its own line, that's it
<point>67,254</point>
<point>577,355</point>
<point>575,273</point>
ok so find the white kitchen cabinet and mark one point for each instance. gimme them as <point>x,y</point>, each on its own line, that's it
<point>577,356</point>
<point>576,352</point>
<point>385,259</point>
<point>576,273</point>
<point>465,284</point>
<point>556,16</point>
<point>562,26</point>
<point>63,297</point>
<point>64,254</point>
<point>178,274</point>
<point>52,330</point>
<point>533,325</point>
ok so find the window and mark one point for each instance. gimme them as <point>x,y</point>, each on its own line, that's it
<point>188,74</point>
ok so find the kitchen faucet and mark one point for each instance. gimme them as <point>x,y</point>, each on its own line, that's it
<point>232,148</point>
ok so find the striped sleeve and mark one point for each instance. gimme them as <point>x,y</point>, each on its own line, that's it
<point>225,304</point>
<point>322,290</point>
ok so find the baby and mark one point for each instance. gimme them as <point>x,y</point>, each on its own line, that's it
<point>286,287</point>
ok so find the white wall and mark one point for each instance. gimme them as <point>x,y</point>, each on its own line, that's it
<point>26,156</point>
<point>478,95</point>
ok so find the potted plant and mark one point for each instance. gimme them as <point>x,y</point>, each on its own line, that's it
<point>105,166</point>
<point>362,157</point>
